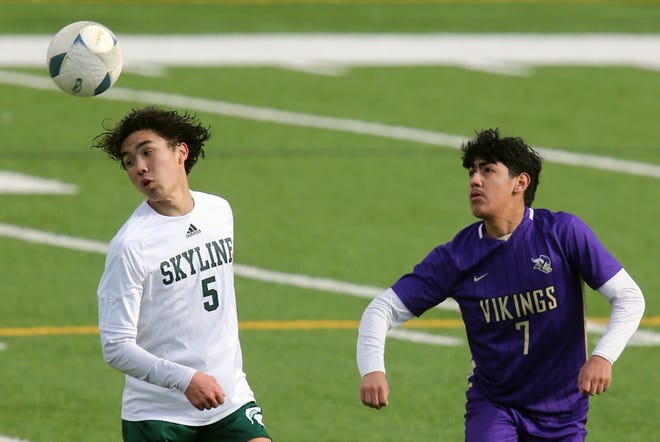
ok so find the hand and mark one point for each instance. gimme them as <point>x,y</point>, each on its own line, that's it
<point>204,392</point>
<point>374,390</point>
<point>595,376</point>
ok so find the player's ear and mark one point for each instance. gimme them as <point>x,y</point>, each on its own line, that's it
<point>521,182</point>
<point>182,152</point>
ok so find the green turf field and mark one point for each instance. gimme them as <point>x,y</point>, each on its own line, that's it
<point>325,203</point>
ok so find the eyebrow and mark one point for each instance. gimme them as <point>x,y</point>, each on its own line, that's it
<point>481,164</point>
<point>139,145</point>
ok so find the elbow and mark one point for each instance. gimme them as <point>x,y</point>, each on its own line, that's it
<point>112,348</point>
<point>642,306</point>
<point>636,304</point>
<point>110,354</point>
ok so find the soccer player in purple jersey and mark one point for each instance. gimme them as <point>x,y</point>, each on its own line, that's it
<point>517,276</point>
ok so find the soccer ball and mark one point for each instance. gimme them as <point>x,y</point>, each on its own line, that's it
<point>84,59</point>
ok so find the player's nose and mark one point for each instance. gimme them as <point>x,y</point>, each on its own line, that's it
<point>141,166</point>
<point>475,180</point>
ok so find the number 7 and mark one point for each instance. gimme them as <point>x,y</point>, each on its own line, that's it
<point>525,326</point>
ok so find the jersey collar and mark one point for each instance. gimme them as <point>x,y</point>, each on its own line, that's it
<point>529,214</point>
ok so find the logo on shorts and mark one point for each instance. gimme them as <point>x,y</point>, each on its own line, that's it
<point>254,415</point>
<point>542,263</point>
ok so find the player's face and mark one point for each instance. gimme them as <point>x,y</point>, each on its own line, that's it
<point>153,166</point>
<point>491,189</point>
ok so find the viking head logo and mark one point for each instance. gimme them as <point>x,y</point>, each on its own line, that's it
<point>542,263</point>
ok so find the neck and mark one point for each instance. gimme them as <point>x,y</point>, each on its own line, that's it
<point>178,204</point>
<point>499,226</point>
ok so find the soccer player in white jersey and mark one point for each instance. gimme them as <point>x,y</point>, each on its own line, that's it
<point>166,301</point>
<point>517,276</point>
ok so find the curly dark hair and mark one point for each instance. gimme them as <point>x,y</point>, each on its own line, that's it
<point>173,126</point>
<point>513,152</point>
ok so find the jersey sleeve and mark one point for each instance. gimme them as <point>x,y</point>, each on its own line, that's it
<point>429,282</point>
<point>119,292</point>
<point>628,304</point>
<point>587,254</point>
<point>384,312</point>
<point>119,296</point>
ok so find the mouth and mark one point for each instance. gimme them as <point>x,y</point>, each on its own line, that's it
<point>476,195</point>
<point>146,182</point>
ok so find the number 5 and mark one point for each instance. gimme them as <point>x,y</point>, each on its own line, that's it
<point>211,293</point>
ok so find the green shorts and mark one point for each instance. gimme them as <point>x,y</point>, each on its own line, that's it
<point>240,426</point>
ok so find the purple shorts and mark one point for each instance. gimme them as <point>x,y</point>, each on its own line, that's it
<point>487,421</point>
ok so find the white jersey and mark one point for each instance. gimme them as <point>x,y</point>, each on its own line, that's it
<point>167,308</point>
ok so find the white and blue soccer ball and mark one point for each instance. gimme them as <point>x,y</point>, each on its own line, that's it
<point>84,59</point>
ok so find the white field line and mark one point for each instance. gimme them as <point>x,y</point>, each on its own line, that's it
<point>641,337</point>
<point>328,123</point>
<point>424,338</point>
<point>18,183</point>
<point>513,54</point>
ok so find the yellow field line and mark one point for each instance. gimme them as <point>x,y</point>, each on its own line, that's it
<point>321,2</point>
<point>311,324</point>
<point>49,331</point>
<point>319,324</point>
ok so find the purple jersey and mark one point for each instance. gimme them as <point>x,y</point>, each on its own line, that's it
<point>522,303</point>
